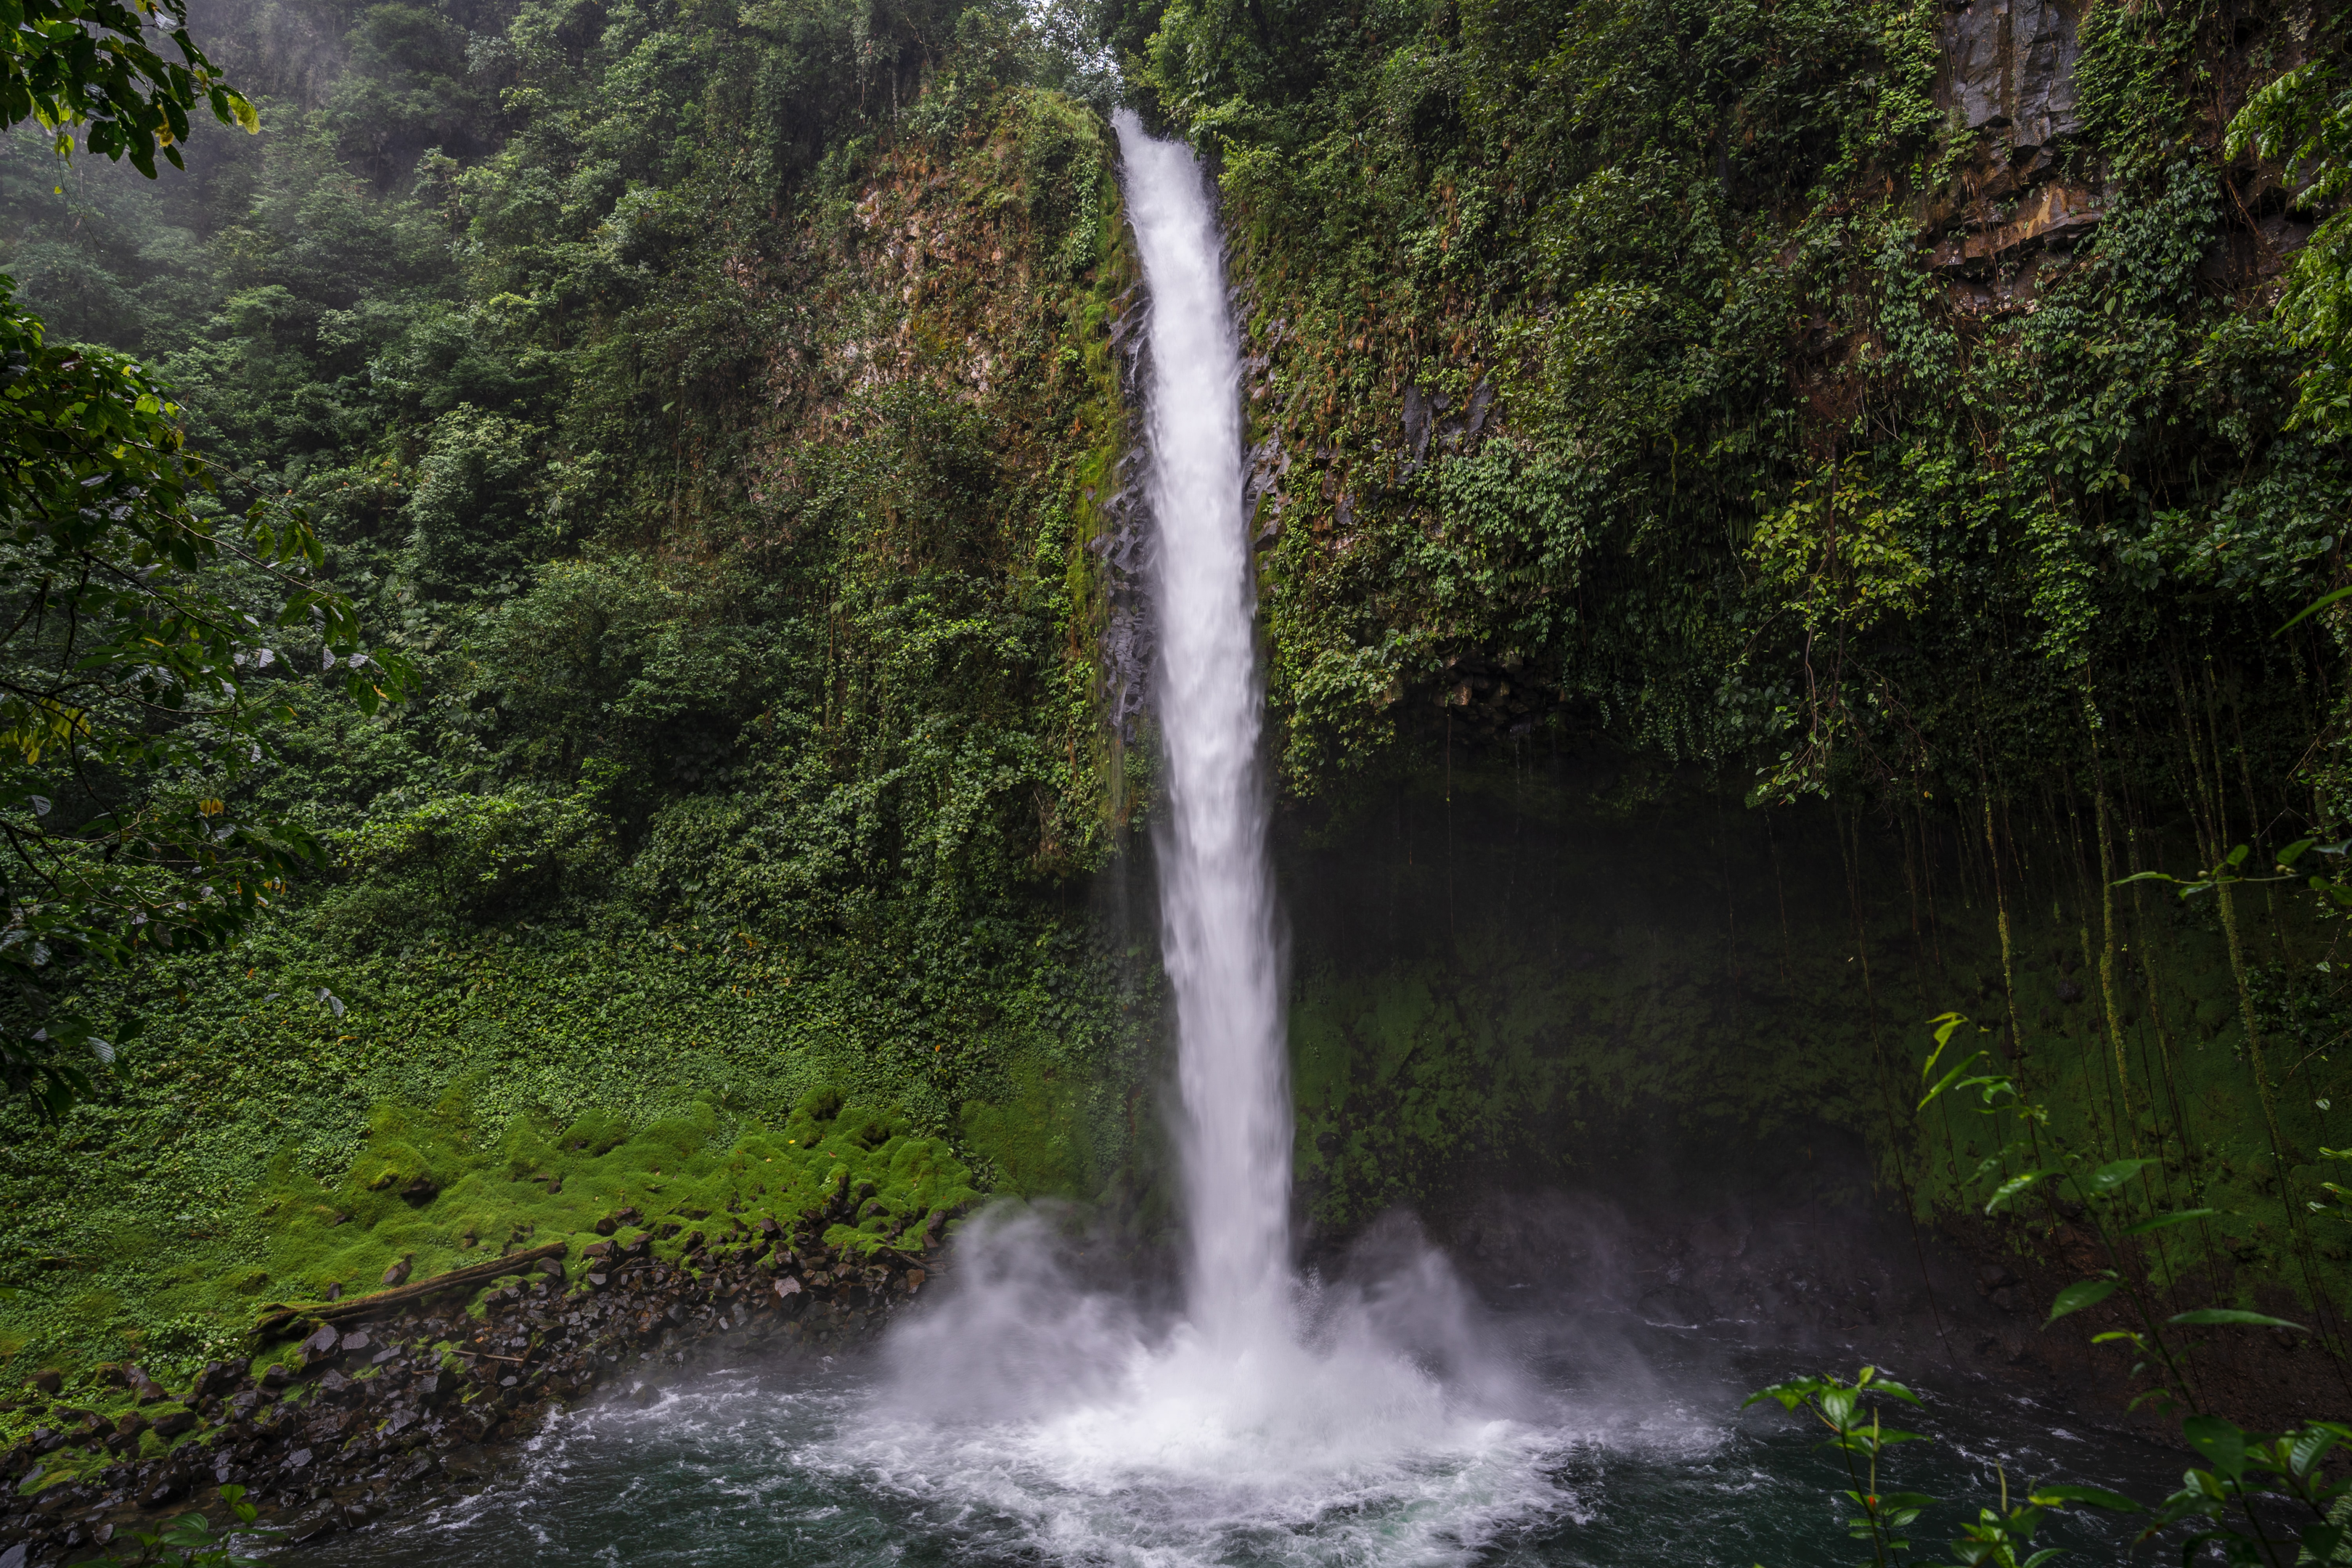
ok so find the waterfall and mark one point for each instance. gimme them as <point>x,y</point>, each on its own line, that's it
<point>1368,1419</point>
<point>1216,891</point>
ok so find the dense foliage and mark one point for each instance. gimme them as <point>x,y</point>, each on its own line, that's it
<point>721,407</point>
<point>128,683</point>
<point>741,573</point>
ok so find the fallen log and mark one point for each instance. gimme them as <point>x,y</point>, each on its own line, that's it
<point>280,1316</point>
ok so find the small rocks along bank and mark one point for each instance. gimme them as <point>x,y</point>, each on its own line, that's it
<point>374,1405</point>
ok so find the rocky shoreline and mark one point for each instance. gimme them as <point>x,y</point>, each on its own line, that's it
<point>371,1409</point>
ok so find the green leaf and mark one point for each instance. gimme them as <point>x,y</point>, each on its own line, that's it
<point>2014,1186</point>
<point>2163,1221</point>
<point>2110,1177</point>
<point>1945,1081</point>
<point>2206,1317</point>
<point>2310,1444</point>
<point>2075,1297</point>
<point>2095,1496</point>
<point>2221,1443</point>
<point>2312,608</point>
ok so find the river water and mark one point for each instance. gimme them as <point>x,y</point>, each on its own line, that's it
<point>1026,1418</point>
<point>808,1462</point>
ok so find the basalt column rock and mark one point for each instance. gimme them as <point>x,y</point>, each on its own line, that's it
<point>378,1410</point>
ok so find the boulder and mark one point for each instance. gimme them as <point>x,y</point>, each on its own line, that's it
<point>48,1380</point>
<point>319,1347</point>
<point>217,1378</point>
<point>397,1273</point>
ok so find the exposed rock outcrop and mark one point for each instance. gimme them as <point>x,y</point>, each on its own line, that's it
<point>376,1410</point>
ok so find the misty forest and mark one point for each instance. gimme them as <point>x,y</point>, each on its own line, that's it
<point>1165,783</point>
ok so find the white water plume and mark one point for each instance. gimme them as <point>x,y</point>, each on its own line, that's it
<point>1270,1420</point>
<point>1216,892</point>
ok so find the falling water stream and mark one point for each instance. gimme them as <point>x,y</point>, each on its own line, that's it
<point>1032,1418</point>
<point>1216,890</point>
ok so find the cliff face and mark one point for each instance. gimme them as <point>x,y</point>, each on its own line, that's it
<point>1857,404</point>
<point>1659,413</point>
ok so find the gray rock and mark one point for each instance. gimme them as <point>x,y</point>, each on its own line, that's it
<point>1418,418</point>
<point>2009,65</point>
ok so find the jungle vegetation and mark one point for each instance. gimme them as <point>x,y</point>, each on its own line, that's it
<point>710,416</point>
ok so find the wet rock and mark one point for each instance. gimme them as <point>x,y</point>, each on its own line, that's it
<point>316,1527</point>
<point>537,1346</point>
<point>397,1273</point>
<point>172,1425</point>
<point>217,1378</point>
<point>48,1380</point>
<point>2008,66</point>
